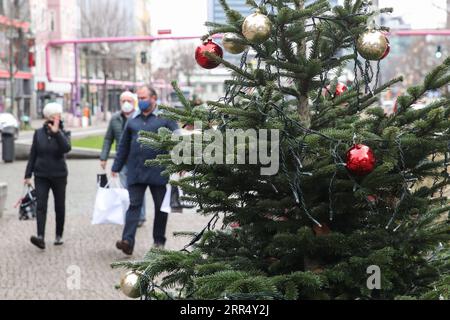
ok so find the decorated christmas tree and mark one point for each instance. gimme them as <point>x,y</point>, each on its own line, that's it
<point>358,193</point>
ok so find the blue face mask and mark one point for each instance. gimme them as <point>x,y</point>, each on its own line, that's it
<point>144,105</point>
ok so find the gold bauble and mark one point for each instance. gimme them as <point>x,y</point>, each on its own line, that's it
<point>233,43</point>
<point>257,28</point>
<point>373,45</point>
<point>129,285</point>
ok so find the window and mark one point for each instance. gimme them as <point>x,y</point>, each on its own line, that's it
<point>52,21</point>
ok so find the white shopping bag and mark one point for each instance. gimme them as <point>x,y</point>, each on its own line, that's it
<point>111,205</point>
<point>165,207</point>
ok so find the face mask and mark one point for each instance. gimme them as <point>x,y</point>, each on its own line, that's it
<point>127,108</point>
<point>144,105</point>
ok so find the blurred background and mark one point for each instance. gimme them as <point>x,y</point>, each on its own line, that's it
<point>36,67</point>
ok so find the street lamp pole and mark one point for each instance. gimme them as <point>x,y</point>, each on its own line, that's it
<point>11,72</point>
<point>77,94</point>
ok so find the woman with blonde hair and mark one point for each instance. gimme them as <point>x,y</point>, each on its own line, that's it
<point>48,165</point>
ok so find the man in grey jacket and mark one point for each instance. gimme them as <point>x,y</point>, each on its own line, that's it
<point>128,101</point>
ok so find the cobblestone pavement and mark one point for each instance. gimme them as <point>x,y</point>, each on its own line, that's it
<point>28,273</point>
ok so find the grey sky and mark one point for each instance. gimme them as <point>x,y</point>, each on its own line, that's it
<point>421,14</point>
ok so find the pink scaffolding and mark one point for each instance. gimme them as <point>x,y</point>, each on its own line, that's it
<point>76,92</point>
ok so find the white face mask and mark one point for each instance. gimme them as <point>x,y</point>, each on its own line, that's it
<point>127,107</point>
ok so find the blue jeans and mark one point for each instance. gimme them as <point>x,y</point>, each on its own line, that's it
<point>123,180</point>
<point>137,193</point>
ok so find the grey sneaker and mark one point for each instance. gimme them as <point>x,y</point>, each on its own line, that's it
<point>159,246</point>
<point>59,241</point>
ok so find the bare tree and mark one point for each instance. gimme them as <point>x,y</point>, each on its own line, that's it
<point>448,14</point>
<point>414,57</point>
<point>14,36</point>
<point>107,18</point>
<point>145,29</point>
<point>181,61</point>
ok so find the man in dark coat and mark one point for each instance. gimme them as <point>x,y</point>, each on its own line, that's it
<point>114,133</point>
<point>141,177</point>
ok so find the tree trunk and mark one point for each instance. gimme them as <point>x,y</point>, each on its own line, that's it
<point>304,110</point>
<point>302,87</point>
<point>448,14</point>
<point>105,93</point>
<point>188,80</point>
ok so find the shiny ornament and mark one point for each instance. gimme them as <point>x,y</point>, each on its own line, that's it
<point>203,60</point>
<point>257,28</point>
<point>235,225</point>
<point>129,285</point>
<point>340,89</point>
<point>321,231</point>
<point>233,43</point>
<point>388,50</point>
<point>373,45</point>
<point>360,160</point>
<point>372,199</point>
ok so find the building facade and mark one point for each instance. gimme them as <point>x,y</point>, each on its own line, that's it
<point>16,58</point>
<point>54,20</point>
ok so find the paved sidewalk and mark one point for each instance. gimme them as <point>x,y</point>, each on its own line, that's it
<point>28,273</point>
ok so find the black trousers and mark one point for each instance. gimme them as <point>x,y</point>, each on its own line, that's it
<point>58,187</point>
<point>137,194</point>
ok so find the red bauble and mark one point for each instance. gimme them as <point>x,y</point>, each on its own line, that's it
<point>235,225</point>
<point>360,160</point>
<point>372,198</point>
<point>340,89</point>
<point>202,59</point>
<point>322,231</point>
<point>388,50</point>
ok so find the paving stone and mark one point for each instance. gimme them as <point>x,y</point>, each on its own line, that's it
<point>30,274</point>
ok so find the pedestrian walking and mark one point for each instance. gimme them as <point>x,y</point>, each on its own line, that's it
<point>128,102</point>
<point>48,165</point>
<point>140,177</point>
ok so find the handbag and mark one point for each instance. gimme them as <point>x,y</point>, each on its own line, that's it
<point>175,198</point>
<point>176,202</point>
<point>102,180</point>
<point>28,204</point>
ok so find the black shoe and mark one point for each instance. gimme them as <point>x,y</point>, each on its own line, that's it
<point>59,241</point>
<point>38,242</point>
<point>125,247</point>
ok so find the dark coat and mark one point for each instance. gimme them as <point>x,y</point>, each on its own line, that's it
<point>47,156</point>
<point>134,155</point>
<point>114,133</point>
